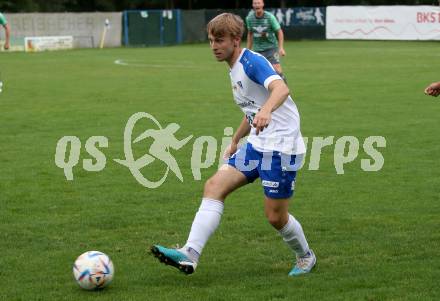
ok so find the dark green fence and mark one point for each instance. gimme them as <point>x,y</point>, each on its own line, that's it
<point>152,27</point>
<point>167,27</point>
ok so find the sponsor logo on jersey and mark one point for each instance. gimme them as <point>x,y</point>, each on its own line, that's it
<point>271,184</point>
<point>260,29</point>
<point>245,104</point>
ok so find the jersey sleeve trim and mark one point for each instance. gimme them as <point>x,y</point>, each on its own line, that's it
<point>271,79</point>
<point>257,68</point>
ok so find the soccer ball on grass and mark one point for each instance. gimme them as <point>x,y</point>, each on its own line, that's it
<point>93,270</point>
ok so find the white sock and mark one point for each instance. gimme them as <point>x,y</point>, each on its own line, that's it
<point>204,225</point>
<point>293,235</point>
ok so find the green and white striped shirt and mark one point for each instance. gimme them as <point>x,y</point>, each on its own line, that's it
<point>264,30</point>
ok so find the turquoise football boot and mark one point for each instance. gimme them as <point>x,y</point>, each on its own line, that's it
<point>303,264</point>
<point>175,258</point>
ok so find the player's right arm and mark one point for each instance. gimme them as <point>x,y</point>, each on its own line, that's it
<point>433,89</point>
<point>278,95</point>
<point>243,130</point>
<point>250,40</point>
<point>250,36</point>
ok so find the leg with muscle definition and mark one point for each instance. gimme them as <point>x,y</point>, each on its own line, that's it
<point>207,219</point>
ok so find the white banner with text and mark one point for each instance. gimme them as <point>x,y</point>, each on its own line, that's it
<point>33,44</point>
<point>383,22</point>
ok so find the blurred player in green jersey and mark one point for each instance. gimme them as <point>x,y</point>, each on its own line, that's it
<point>265,35</point>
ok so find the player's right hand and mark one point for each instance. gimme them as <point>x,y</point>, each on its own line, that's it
<point>435,93</point>
<point>433,89</point>
<point>230,150</point>
<point>261,120</point>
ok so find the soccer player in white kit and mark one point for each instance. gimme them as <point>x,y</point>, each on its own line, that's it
<point>273,151</point>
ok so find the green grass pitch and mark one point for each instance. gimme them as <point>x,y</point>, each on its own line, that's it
<point>376,234</point>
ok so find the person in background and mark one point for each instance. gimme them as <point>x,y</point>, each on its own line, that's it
<point>4,23</point>
<point>265,35</point>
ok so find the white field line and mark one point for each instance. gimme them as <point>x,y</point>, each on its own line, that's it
<point>148,65</point>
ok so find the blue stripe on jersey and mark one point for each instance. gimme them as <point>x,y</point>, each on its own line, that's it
<point>256,67</point>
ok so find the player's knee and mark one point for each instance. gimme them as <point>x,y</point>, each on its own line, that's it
<point>213,188</point>
<point>275,219</point>
<point>211,184</point>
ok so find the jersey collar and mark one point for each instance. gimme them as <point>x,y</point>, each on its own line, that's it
<point>239,58</point>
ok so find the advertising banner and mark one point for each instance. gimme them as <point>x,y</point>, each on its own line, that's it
<point>33,44</point>
<point>300,16</point>
<point>383,22</point>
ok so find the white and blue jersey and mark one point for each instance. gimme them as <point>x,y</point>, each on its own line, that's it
<point>275,154</point>
<point>250,79</point>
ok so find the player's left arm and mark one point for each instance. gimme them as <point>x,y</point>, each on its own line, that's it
<point>250,35</point>
<point>276,27</point>
<point>242,131</point>
<point>278,94</point>
<point>280,36</point>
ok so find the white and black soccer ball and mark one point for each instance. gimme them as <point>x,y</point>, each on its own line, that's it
<point>93,270</point>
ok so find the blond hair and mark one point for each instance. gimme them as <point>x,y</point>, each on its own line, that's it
<point>226,24</point>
